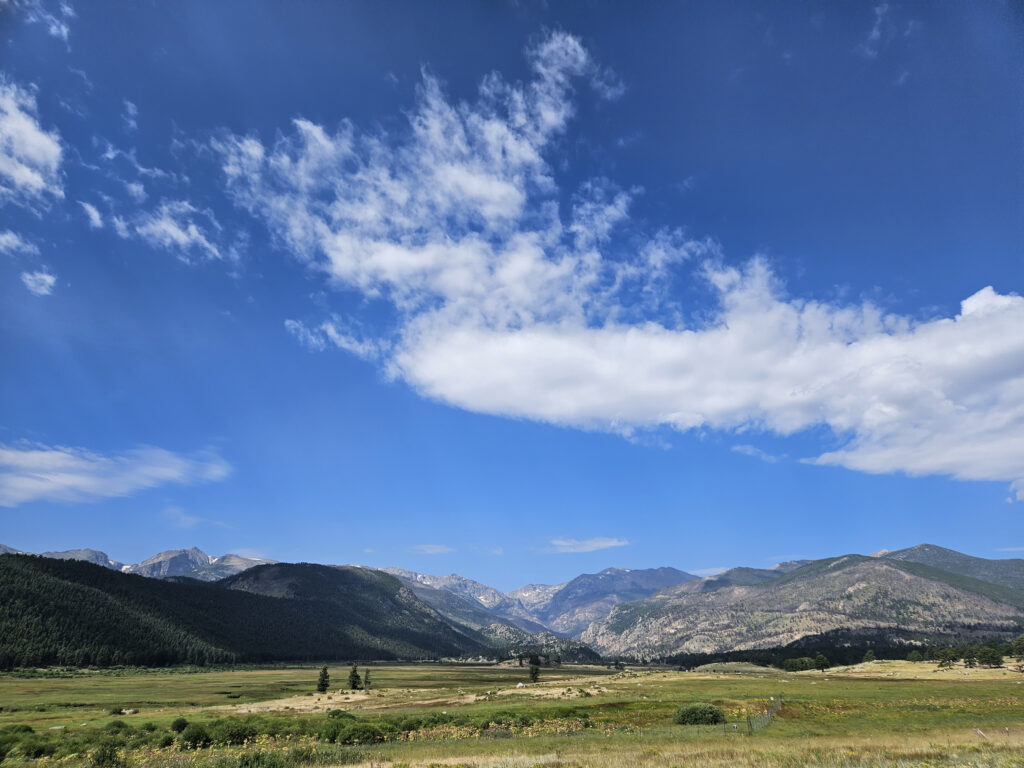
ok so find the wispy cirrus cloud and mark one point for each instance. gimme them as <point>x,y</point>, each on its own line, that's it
<point>869,48</point>
<point>755,452</point>
<point>586,545</point>
<point>55,16</point>
<point>92,214</point>
<point>12,242</point>
<point>511,302</point>
<point>179,227</point>
<point>32,472</point>
<point>433,549</point>
<point>179,518</point>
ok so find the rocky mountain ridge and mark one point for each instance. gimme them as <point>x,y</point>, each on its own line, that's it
<point>192,562</point>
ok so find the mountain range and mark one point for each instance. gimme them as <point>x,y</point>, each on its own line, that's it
<point>193,562</point>
<point>917,595</point>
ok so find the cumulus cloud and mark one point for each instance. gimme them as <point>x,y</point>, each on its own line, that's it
<point>30,156</point>
<point>95,220</point>
<point>40,282</point>
<point>59,473</point>
<point>586,545</point>
<point>12,242</point>
<point>511,303</point>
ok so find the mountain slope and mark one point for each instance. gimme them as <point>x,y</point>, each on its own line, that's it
<point>375,602</point>
<point>514,641</point>
<point>88,555</point>
<point>1008,572</point>
<point>77,613</point>
<point>592,596</point>
<point>851,593</point>
<point>193,563</point>
<point>466,601</point>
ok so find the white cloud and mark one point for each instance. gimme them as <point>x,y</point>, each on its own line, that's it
<point>130,115</point>
<point>95,220</point>
<point>332,332</point>
<point>178,226</point>
<point>59,473</point>
<point>40,282</point>
<point>757,453</point>
<point>56,23</point>
<point>30,156</point>
<point>136,190</point>
<point>586,545</point>
<point>181,519</point>
<point>12,242</point>
<point>508,305</point>
<point>433,549</point>
<point>870,47</point>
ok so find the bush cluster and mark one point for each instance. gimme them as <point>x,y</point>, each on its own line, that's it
<point>699,714</point>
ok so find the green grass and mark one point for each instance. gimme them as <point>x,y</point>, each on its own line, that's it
<point>626,718</point>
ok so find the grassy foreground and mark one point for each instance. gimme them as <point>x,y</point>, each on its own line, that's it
<point>879,714</point>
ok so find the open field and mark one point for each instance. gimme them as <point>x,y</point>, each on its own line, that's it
<point>883,713</point>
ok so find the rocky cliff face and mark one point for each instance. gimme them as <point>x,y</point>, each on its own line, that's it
<point>851,593</point>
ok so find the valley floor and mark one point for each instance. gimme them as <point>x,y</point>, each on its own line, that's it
<point>882,714</point>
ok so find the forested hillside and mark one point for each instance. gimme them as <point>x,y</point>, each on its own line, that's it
<point>77,613</point>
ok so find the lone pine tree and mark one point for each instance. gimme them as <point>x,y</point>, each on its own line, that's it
<point>324,682</point>
<point>354,681</point>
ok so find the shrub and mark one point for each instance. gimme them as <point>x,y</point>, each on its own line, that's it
<point>361,733</point>
<point>105,756</point>
<point>195,736</point>
<point>118,710</point>
<point>698,714</point>
<point>340,714</point>
<point>231,730</point>
<point>116,726</point>
<point>165,741</point>
<point>35,747</point>
<point>179,724</point>
<point>262,760</point>
<point>19,728</point>
<point>332,729</point>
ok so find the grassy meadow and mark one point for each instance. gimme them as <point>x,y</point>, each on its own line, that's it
<point>877,714</point>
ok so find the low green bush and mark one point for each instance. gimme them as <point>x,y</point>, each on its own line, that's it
<point>361,733</point>
<point>231,730</point>
<point>179,724</point>
<point>698,714</point>
<point>194,736</point>
<point>106,755</point>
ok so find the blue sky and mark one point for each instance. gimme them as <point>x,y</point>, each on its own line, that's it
<point>512,290</point>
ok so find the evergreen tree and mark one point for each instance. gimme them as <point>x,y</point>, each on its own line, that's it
<point>366,680</point>
<point>324,682</point>
<point>820,662</point>
<point>354,681</point>
<point>869,655</point>
<point>534,672</point>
